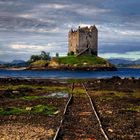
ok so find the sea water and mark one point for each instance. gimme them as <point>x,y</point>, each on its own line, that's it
<point>122,72</point>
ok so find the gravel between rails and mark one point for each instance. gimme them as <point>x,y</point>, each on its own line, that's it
<point>80,121</point>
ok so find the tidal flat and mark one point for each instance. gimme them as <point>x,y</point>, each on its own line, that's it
<point>33,108</point>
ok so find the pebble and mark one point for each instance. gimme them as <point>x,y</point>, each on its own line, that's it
<point>28,108</point>
<point>110,130</point>
<point>109,112</point>
<point>15,91</point>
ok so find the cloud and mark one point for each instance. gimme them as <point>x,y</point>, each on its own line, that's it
<point>30,26</point>
<point>90,11</point>
<point>118,47</point>
<point>29,47</point>
<point>26,16</point>
<point>128,55</point>
<point>50,47</point>
<point>55,6</point>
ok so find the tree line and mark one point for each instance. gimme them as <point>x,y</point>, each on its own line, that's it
<point>42,56</point>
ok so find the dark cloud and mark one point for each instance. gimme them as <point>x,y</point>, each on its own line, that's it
<point>43,22</point>
<point>19,23</point>
<point>117,48</point>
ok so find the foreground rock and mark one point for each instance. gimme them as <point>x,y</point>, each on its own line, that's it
<point>21,131</point>
<point>117,102</point>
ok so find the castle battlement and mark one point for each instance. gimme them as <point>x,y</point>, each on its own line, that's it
<point>84,39</point>
<point>83,29</point>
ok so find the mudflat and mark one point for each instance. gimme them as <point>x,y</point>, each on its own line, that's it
<point>33,108</point>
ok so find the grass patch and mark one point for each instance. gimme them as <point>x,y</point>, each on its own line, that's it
<point>30,92</point>
<point>106,98</point>
<point>122,94</point>
<point>81,60</point>
<point>103,93</point>
<point>136,94</point>
<point>39,109</point>
<point>12,111</point>
<point>17,87</point>
<point>77,80</point>
<point>115,94</point>
<point>29,87</point>
<point>55,88</point>
<point>46,110</point>
<point>79,92</point>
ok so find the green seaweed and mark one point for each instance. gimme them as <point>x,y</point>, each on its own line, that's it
<point>39,109</point>
<point>12,111</point>
<point>47,110</point>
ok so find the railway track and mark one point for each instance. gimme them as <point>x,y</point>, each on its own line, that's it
<point>80,120</point>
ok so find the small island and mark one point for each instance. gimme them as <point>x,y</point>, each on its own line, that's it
<point>72,62</point>
<point>82,54</point>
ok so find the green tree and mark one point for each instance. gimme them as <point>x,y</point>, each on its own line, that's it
<point>42,56</point>
<point>35,58</point>
<point>45,56</point>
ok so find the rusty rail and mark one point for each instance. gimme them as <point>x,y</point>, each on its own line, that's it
<point>93,108</point>
<point>63,117</point>
<point>96,114</point>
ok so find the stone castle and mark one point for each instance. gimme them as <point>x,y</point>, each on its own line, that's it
<point>84,40</point>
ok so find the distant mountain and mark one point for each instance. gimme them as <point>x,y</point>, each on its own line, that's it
<point>120,61</point>
<point>137,62</point>
<point>124,62</point>
<point>14,62</point>
<point>2,62</point>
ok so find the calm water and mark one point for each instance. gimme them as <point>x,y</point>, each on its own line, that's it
<point>122,72</point>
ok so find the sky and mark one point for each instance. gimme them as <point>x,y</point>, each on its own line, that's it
<point>30,26</point>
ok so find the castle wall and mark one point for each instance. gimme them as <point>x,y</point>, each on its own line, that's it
<point>82,39</point>
<point>73,41</point>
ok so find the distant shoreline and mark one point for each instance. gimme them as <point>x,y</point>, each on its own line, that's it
<point>12,68</point>
<point>62,68</point>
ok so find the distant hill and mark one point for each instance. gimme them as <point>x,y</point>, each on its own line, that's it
<point>137,62</point>
<point>17,62</point>
<point>2,62</point>
<point>14,63</point>
<point>124,62</point>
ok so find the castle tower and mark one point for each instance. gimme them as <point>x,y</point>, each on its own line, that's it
<point>84,41</point>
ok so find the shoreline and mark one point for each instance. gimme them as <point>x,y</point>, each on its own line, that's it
<point>60,68</point>
<point>68,78</point>
<point>111,83</point>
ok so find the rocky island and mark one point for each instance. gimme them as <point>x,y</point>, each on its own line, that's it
<point>82,53</point>
<point>84,62</point>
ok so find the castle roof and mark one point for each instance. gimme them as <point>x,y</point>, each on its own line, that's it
<point>84,29</point>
